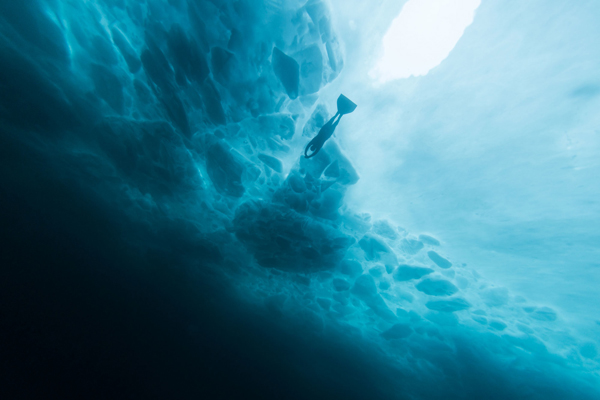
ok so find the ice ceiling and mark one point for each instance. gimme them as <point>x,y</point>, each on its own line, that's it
<point>451,226</point>
<point>422,36</point>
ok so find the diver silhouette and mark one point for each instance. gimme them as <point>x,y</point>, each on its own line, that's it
<point>344,106</point>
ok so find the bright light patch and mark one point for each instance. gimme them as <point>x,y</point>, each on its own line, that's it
<point>422,36</point>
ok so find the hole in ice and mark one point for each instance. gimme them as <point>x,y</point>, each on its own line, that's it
<point>422,36</point>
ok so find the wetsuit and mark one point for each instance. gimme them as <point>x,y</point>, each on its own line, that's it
<point>325,133</point>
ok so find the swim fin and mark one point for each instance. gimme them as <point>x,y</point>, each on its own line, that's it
<point>345,105</point>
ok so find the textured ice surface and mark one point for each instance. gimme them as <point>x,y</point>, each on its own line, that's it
<point>457,304</point>
<point>186,121</point>
<point>436,287</point>
<point>408,272</point>
<point>439,260</point>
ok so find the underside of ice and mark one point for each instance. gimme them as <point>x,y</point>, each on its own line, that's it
<point>187,120</point>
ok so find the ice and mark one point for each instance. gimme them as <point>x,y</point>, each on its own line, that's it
<point>333,170</point>
<point>288,72</point>
<point>397,331</point>
<point>365,289</point>
<point>296,182</point>
<point>127,51</point>
<point>497,325</point>
<point>212,103</point>
<point>311,69</point>
<point>319,116</point>
<point>108,87</point>
<point>527,201</point>
<point>351,268</point>
<point>271,162</point>
<point>444,319</point>
<point>495,297</point>
<point>331,153</point>
<point>528,343</point>
<point>383,228</point>
<point>372,247</point>
<point>340,285</point>
<point>281,125</point>
<point>37,29</point>
<point>589,350</point>
<point>282,239</point>
<point>223,65</point>
<point>328,204</point>
<point>324,303</point>
<point>411,246</point>
<point>525,329</point>
<point>157,67</point>
<point>377,271</point>
<point>544,314</point>
<point>439,260</point>
<point>141,152</point>
<point>463,199</point>
<point>187,57</point>
<point>224,170</point>
<point>456,304</point>
<point>437,287</point>
<point>343,298</point>
<point>429,240</point>
<point>408,272</point>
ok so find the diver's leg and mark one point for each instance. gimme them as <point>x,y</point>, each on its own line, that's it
<point>311,146</point>
<point>337,121</point>
<point>330,122</point>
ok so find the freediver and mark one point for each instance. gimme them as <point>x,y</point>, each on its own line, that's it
<point>344,106</point>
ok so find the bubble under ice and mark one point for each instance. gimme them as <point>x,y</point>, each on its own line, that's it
<point>183,122</point>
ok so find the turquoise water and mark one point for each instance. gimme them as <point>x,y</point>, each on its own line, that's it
<point>160,217</point>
